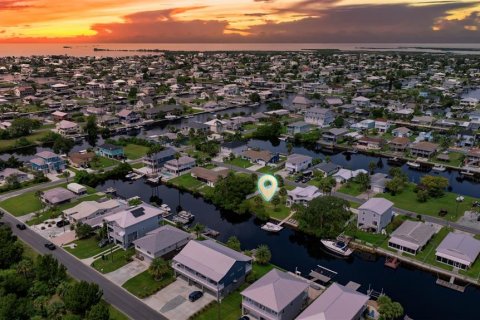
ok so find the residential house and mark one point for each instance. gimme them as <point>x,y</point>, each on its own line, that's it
<point>59,116</point>
<point>7,173</point>
<point>133,223</point>
<point>366,124</point>
<point>67,128</point>
<point>378,182</point>
<point>319,117</point>
<point>57,196</point>
<point>336,303</point>
<point>88,210</point>
<point>297,163</point>
<point>411,237</point>
<point>277,295</point>
<point>262,157</point>
<point>234,147</point>
<point>399,144</point>
<point>80,160</point>
<point>300,103</point>
<point>47,161</point>
<point>401,132</point>
<point>212,267</point>
<point>111,151</point>
<point>327,168</point>
<point>423,120</point>
<point>423,149</point>
<point>332,136</point>
<point>155,161</point>
<point>298,127</point>
<point>127,116</point>
<point>210,177</point>
<point>180,165</point>
<point>302,196</point>
<point>161,242</point>
<point>216,125</point>
<point>473,157</point>
<point>77,188</point>
<point>370,143</point>
<point>361,102</point>
<point>458,250</point>
<point>382,125</point>
<point>375,214</point>
<point>344,175</point>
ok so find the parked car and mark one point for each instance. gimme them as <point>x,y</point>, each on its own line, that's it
<point>21,226</point>
<point>62,223</point>
<point>244,318</point>
<point>50,246</point>
<point>103,243</point>
<point>195,295</point>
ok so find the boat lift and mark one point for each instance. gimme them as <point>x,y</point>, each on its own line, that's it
<point>322,274</point>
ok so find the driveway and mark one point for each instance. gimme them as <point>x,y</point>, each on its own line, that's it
<point>120,276</point>
<point>172,301</point>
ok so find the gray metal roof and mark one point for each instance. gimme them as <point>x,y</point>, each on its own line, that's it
<point>412,234</point>
<point>336,303</point>
<point>276,290</point>
<point>209,258</point>
<point>161,238</point>
<point>459,247</point>
<point>377,205</point>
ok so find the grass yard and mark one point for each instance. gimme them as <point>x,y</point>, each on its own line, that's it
<point>268,170</point>
<point>113,261</point>
<point>116,314</point>
<point>33,138</point>
<point>28,252</point>
<point>239,162</point>
<point>351,188</point>
<point>138,165</point>
<point>87,248</point>
<point>186,181</point>
<point>135,151</point>
<point>455,159</point>
<point>408,200</point>
<point>22,204</point>
<point>427,255</point>
<point>54,213</point>
<point>102,163</point>
<point>281,212</point>
<point>375,239</point>
<point>144,285</point>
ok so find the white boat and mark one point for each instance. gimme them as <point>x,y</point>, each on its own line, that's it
<point>439,168</point>
<point>165,207</point>
<point>338,247</point>
<point>272,227</point>
<point>413,164</point>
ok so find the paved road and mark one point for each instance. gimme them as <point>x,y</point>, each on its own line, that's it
<point>347,197</point>
<point>113,294</point>
<point>36,187</point>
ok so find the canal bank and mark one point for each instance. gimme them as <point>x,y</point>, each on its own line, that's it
<point>293,250</point>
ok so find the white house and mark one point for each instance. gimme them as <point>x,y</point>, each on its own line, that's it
<point>319,116</point>
<point>297,163</point>
<point>302,196</point>
<point>375,214</point>
<point>459,250</point>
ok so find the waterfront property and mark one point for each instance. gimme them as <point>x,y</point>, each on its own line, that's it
<point>378,182</point>
<point>319,116</point>
<point>411,237</point>
<point>180,165</point>
<point>209,176</point>
<point>423,149</point>
<point>87,211</point>
<point>302,196</point>
<point>80,160</point>
<point>47,161</point>
<point>327,169</point>
<point>458,250</point>
<point>211,266</point>
<point>128,225</point>
<point>234,147</point>
<point>262,157</point>
<point>7,173</point>
<point>298,127</point>
<point>375,214</point>
<point>57,196</point>
<point>160,242</point>
<point>335,303</point>
<point>110,151</point>
<point>297,163</point>
<point>67,128</point>
<point>278,295</point>
<point>155,161</point>
<point>77,188</point>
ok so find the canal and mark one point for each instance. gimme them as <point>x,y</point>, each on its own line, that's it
<point>414,289</point>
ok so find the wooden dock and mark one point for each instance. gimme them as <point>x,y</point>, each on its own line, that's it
<point>450,284</point>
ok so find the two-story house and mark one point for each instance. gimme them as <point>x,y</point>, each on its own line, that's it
<point>154,162</point>
<point>319,116</point>
<point>180,165</point>
<point>128,116</point>
<point>131,224</point>
<point>297,163</point>
<point>375,214</point>
<point>278,295</point>
<point>111,151</point>
<point>67,128</point>
<point>302,196</point>
<point>47,161</point>
<point>212,267</point>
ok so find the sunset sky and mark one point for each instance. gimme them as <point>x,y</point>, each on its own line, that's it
<point>152,21</point>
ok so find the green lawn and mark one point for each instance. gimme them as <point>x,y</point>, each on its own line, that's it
<point>408,200</point>
<point>138,165</point>
<point>102,163</point>
<point>351,188</point>
<point>56,212</point>
<point>455,159</point>
<point>135,151</point>
<point>375,239</point>
<point>113,261</point>
<point>239,162</point>
<point>144,285</point>
<point>231,306</point>
<point>116,314</point>
<point>280,213</point>
<point>33,138</point>
<point>87,248</point>
<point>22,204</point>
<point>427,255</point>
<point>28,252</point>
<point>186,181</point>
<point>269,170</point>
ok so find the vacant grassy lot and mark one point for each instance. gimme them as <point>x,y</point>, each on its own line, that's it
<point>239,162</point>
<point>269,170</point>
<point>113,261</point>
<point>408,200</point>
<point>22,204</point>
<point>144,285</point>
<point>135,151</point>
<point>279,212</point>
<point>87,248</point>
<point>187,181</point>
<point>33,138</point>
<point>351,188</point>
<point>102,163</point>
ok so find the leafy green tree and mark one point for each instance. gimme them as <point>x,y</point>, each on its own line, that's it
<point>324,217</point>
<point>26,268</point>
<point>48,270</point>
<point>422,195</point>
<point>91,129</point>
<point>232,190</point>
<point>388,309</point>
<point>283,192</point>
<point>83,230</point>
<point>158,268</point>
<point>395,185</point>
<point>234,243</point>
<point>363,179</point>
<point>263,254</point>
<point>339,122</point>
<point>327,184</point>
<point>98,312</point>
<point>372,166</point>
<point>10,250</point>
<point>12,307</point>
<point>198,229</point>
<point>254,97</point>
<point>63,145</point>
<point>435,185</point>
<point>276,201</point>
<point>81,296</point>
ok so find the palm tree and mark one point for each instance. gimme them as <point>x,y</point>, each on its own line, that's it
<point>372,166</point>
<point>198,229</point>
<point>327,184</point>
<point>263,254</point>
<point>158,268</point>
<point>25,267</point>
<point>66,174</point>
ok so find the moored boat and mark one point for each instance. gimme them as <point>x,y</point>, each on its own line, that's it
<point>272,227</point>
<point>413,164</point>
<point>338,247</point>
<point>439,168</point>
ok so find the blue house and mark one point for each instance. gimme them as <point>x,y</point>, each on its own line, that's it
<point>47,161</point>
<point>298,127</point>
<point>108,150</point>
<point>211,266</point>
<point>155,161</point>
